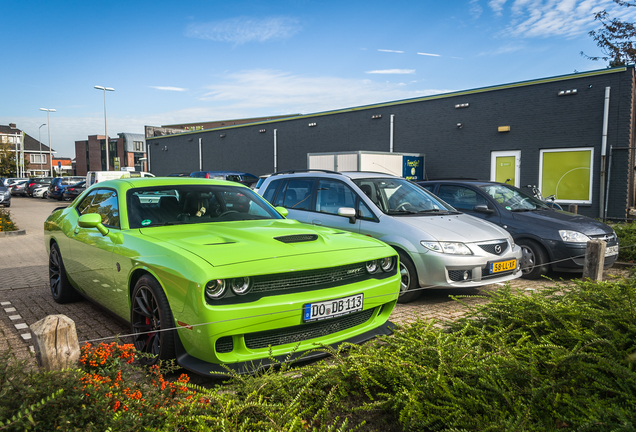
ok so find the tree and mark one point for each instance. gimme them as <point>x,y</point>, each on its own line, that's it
<point>7,161</point>
<point>615,38</point>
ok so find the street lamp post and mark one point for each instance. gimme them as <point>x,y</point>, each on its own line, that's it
<point>48,122</point>
<point>40,141</point>
<point>105,89</point>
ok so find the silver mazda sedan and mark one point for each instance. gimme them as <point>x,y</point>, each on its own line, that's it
<point>438,246</point>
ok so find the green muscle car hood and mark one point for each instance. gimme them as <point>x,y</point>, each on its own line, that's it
<point>225,243</point>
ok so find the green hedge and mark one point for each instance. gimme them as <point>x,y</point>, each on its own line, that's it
<point>627,237</point>
<point>561,358</point>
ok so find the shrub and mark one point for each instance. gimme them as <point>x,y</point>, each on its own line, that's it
<point>6,224</point>
<point>560,358</point>
<point>626,233</point>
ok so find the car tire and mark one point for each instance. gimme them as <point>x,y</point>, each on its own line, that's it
<point>150,313</point>
<point>8,205</point>
<point>408,280</point>
<point>61,289</point>
<point>533,259</point>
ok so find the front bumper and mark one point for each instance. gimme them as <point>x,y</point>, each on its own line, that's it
<point>201,367</point>
<point>570,257</point>
<point>439,270</point>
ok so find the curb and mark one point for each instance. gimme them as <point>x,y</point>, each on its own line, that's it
<point>12,233</point>
<point>623,265</point>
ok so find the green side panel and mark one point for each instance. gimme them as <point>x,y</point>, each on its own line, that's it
<point>505,169</point>
<point>567,175</point>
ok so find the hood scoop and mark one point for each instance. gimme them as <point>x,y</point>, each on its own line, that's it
<point>297,238</point>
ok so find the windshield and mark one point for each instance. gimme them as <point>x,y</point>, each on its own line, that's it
<point>187,204</point>
<point>512,198</point>
<point>396,196</point>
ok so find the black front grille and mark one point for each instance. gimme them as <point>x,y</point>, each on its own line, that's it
<point>458,275</point>
<point>495,248</point>
<point>298,238</point>
<point>308,278</point>
<point>224,344</point>
<point>307,331</point>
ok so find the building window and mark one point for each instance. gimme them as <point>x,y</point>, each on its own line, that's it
<point>35,159</point>
<point>138,146</point>
<point>567,174</point>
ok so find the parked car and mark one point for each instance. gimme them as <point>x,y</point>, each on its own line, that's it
<point>59,184</point>
<point>236,176</point>
<point>209,273</point>
<point>438,246</point>
<point>36,181</point>
<point>259,183</point>
<point>8,181</point>
<point>5,196</point>
<point>41,191</point>
<point>549,238</point>
<point>19,188</point>
<point>71,192</point>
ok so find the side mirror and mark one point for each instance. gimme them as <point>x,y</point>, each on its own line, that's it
<point>282,210</point>
<point>348,212</point>
<point>483,208</point>
<point>92,220</point>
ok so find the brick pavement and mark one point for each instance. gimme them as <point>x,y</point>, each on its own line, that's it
<point>25,296</point>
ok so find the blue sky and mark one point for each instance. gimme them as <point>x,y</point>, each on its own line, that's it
<point>183,62</point>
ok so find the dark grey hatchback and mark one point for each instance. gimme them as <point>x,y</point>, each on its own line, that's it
<point>550,239</point>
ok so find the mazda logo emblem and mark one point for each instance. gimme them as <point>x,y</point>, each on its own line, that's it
<point>498,249</point>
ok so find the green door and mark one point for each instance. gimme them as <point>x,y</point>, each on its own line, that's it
<point>504,166</point>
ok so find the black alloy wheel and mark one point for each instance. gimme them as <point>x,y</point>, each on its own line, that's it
<point>61,289</point>
<point>150,319</point>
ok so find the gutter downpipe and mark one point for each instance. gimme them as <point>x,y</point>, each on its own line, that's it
<point>602,197</point>
<point>200,159</point>
<point>391,137</point>
<point>609,171</point>
<point>275,150</point>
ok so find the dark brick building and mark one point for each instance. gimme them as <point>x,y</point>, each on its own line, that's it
<point>559,133</point>
<point>126,151</point>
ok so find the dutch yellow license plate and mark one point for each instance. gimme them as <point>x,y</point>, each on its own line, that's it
<point>503,266</point>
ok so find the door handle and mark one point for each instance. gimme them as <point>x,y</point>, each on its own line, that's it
<point>316,222</point>
<point>76,230</point>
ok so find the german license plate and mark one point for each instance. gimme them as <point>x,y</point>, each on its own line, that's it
<point>611,250</point>
<point>332,308</point>
<point>503,266</point>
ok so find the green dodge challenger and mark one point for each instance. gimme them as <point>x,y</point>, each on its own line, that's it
<point>209,273</point>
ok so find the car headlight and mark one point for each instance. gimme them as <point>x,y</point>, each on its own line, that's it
<point>512,242</point>
<point>241,285</point>
<point>381,265</point>
<point>372,266</point>
<point>215,288</point>
<point>573,236</point>
<point>454,248</point>
<point>386,264</point>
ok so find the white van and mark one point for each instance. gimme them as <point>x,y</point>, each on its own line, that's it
<point>93,177</point>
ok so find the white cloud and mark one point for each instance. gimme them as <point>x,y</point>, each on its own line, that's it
<point>245,29</point>
<point>428,54</point>
<point>253,93</point>
<point>546,18</point>
<point>475,9</point>
<point>497,6</point>
<point>270,92</point>
<point>391,51</point>
<point>177,89</point>
<point>392,71</point>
